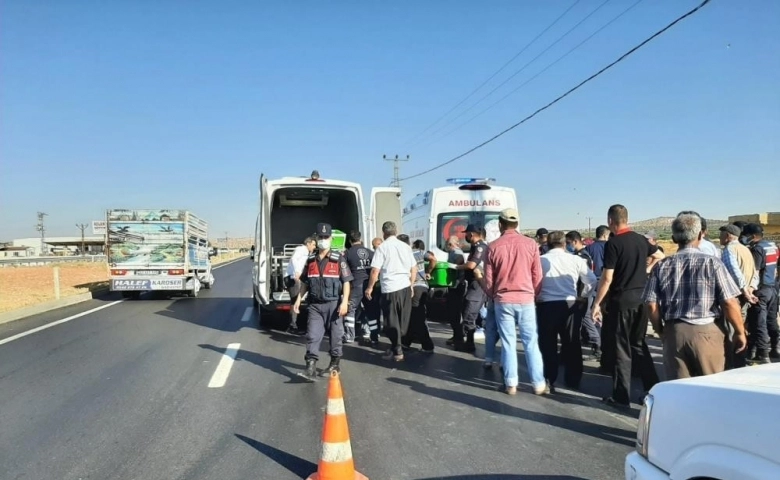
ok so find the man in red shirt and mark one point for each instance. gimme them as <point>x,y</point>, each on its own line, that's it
<point>513,278</point>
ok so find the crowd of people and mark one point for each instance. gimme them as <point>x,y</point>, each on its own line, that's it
<point>713,308</point>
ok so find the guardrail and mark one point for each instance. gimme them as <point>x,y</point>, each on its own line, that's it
<point>38,261</point>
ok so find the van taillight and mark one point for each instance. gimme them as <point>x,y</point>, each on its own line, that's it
<point>176,272</point>
<point>118,272</point>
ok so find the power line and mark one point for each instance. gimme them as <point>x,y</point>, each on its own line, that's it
<point>512,92</point>
<point>561,97</point>
<point>495,73</point>
<point>517,72</point>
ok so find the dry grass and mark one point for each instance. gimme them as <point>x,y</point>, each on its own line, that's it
<point>26,286</point>
<point>668,246</point>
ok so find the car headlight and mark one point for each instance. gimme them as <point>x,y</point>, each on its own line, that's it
<point>643,429</point>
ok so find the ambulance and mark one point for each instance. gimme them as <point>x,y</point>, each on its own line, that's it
<point>437,214</point>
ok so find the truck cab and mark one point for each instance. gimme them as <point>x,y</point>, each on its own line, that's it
<point>289,210</point>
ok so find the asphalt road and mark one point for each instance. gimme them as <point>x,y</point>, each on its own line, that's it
<point>124,393</point>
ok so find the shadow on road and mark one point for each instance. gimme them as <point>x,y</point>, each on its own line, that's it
<point>275,365</point>
<point>300,467</point>
<point>222,314</point>
<point>609,434</point>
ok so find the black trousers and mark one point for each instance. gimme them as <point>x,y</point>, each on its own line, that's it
<point>560,319</point>
<point>455,300</point>
<point>396,310</point>
<point>418,326</point>
<point>623,338</point>
<point>293,288</point>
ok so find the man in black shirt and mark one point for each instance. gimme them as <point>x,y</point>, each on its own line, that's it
<point>359,260</point>
<point>628,257</point>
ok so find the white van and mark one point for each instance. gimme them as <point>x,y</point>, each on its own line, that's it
<point>290,209</point>
<point>439,213</point>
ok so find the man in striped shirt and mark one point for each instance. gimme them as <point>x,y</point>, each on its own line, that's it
<point>739,262</point>
<point>684,295</point>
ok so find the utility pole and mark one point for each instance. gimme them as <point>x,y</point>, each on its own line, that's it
<point>226,239</point>
<point>41,228</point>
<point>589,219</point>
<point>82,227</point>
<point>396,169</point>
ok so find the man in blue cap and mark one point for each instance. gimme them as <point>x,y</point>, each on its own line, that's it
<point>327,278</point>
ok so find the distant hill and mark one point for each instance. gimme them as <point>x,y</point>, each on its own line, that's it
<point>664,224</point>
<point>245,242</point>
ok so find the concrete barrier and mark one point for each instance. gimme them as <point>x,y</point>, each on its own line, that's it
<point>44,307</point>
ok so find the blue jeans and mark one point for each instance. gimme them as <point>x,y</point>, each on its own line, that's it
<point>491,334</point>
<point>508,316</point>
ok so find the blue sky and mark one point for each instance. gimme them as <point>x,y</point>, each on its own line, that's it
<point>173,104</point>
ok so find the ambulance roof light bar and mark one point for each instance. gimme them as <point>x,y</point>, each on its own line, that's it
<point>472,183</point>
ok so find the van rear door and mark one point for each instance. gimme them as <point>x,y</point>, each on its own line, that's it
<point>385,206</point>
<point>263,249</point>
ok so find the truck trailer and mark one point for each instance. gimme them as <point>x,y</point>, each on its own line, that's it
<point>158,251</point>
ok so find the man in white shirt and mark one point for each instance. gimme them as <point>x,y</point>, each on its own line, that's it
<point>705,245</point>
<point>292,279</point>
<point>557,311</point>
<point>395,261</point>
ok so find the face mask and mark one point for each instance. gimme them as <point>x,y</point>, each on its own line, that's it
<point>744,240</point>
<point>570,248</point>
<point>323,243</point>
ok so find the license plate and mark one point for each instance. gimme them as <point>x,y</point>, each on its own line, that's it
<point>148,272</point>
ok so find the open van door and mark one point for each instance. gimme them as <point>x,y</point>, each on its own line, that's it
<point>385,206</point>
<point>262,267</point>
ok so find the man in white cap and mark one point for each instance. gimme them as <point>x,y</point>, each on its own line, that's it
<point>513,279</point>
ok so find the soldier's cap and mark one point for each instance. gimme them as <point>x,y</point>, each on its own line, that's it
<point>471,228</point>
<point>731,229</point>
<point>324,230</point>
<point>541,231</point>
<point>510,215</point>
<point>753,229</point>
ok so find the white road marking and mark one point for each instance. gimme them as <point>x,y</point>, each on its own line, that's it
<point>78,315</point>
<point>53,324</point>
<point>247,314</point>
<point>228,263</point>
<point>223,369</point>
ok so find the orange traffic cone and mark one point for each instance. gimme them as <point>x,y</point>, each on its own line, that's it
<point>336,455</point>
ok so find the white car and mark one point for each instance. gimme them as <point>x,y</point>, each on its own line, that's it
<point>716,427</point>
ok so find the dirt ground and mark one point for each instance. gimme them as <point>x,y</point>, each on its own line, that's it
<point>26,286</point>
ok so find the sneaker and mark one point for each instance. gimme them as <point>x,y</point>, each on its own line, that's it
<point>509,390</point>
<point>543,390</point>
<point>479,334</point>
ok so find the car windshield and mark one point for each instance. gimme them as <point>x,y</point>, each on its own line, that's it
<point>454,223</point>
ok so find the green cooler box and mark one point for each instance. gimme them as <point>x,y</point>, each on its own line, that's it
<point>442,276</point>
<point>338,240</point>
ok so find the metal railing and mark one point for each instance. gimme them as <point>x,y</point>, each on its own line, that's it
<point>38,261</point>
